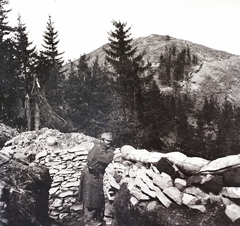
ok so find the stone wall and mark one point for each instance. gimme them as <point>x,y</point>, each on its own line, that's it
<point>65,156</point>
<point>154,180</point>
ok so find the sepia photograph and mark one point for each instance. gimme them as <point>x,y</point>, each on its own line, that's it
<point>119,113</point>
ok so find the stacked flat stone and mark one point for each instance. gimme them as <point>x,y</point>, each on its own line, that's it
<point>65,156</point>
<point>139,169</point>
<point>165,178</point>
<point>65,167</point>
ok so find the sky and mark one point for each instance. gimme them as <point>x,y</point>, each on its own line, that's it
<point>83,25</point>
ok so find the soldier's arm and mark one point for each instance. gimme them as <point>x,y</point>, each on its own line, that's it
<point>106,156</point>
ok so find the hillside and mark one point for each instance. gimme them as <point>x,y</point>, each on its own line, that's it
<point>218,72</point>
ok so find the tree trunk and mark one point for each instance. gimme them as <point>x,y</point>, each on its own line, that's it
<point>36,116</point>
<point>28,112</point>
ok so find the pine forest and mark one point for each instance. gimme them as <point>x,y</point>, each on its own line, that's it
<point>121,95</point>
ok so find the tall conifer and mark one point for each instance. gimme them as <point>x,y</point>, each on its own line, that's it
<point>127,64</point>
<point>25,56</point>
<point>52,62</point>
<point>9,78</point>
<point>50,52</point>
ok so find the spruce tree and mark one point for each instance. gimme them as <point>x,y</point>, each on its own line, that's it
<point>52,59</point>
<point>10,81</point>
<point>128,66</point>
<point>25,56</point>
<point>155,118</point>
<point>50,51</point>
<point>88,97</point>
<point>225,138</point>
<point>52,62</point>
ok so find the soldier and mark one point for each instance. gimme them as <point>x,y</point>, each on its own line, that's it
<point>91,182</point>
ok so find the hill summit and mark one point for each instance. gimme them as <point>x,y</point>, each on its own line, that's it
<point>217,72</point>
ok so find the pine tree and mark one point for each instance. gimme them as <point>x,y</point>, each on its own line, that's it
<point>52,59</point>
<point>89,98</point>
<point>4,28</point>
<point>10,81</point>
<point>26,55</point>
<point>155,118</point>
<point>166,65</point>
<point>210,109</point>
<point>51,65</point>
<point>128,66</point>
<point>225,138</point>
<point>50,46</point>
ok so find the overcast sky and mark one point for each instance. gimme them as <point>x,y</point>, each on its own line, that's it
<point>82,25</point>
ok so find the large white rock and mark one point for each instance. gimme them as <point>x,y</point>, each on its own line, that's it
<point>163,199</point>
<point>70,184</point>
<point>63,215</point>
<point>53,190</point>
<point>198,193</point>
<point>133,200</point>
<point>174,194</point>
<point>58,166</point>
<point>226,201</point>
<point>201,208</point>
<point>142,174</point>
<point>132,173</point>
<point>222,163</point>
<point>65,194</point>
<point>144,188</point>
<point>160,180</point>
<point>189,199</point>
<point>151,206</point>
<point>57,202</point>
<point>51,141</point>
<point>180,184</point>
<point>113,183</point>
<point>233,212</point>
<point>77,207</point>
<point>68,157</point>
<point>78,149</point>
<point>231,192</point>
<point>189,165</point>
<point>130,182</point>
<point>66,171</point>
<point>86,145</point>
<point>53,171</point>
<point>137,193</point>
<point>41,154</point>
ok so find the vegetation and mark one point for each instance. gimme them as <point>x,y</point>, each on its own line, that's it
<point>121,96</point>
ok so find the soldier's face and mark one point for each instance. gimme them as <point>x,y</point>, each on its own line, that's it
<point>107,143</point>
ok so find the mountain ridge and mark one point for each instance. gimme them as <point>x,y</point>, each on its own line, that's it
<point>154,44</point>
<point>218,72</point>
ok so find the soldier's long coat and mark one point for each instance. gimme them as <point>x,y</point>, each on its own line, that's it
<point>91,185</point>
